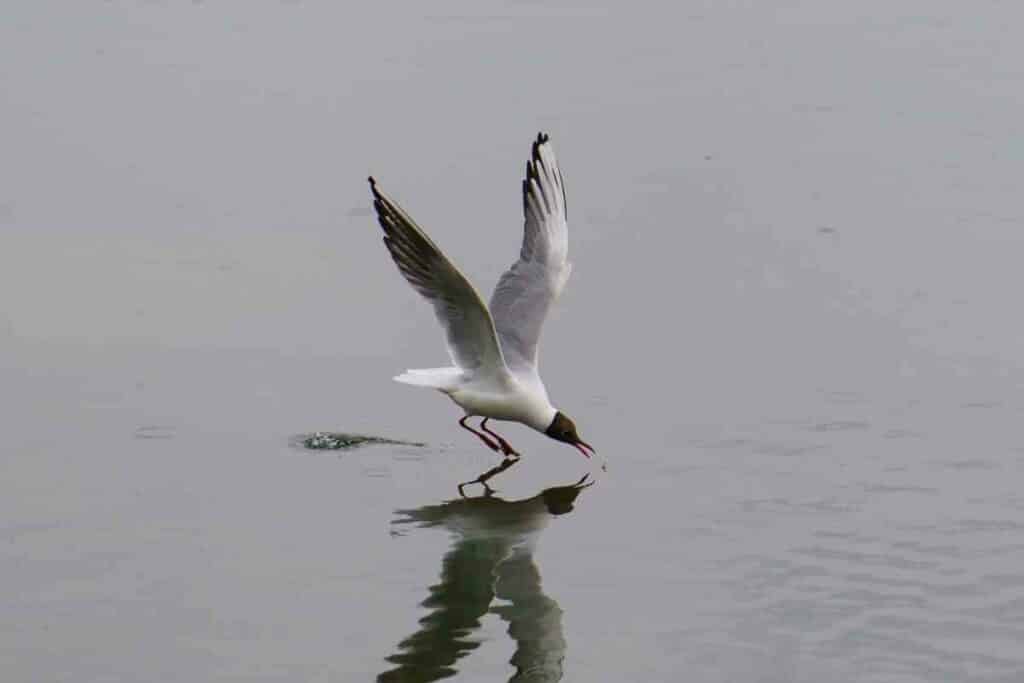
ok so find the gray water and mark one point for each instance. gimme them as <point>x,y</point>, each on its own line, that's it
<point>792,331</point>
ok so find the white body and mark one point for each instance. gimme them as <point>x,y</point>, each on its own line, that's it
<point>505,397</point>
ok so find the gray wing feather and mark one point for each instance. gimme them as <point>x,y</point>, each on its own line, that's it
<point>472,340</point>
<point>527,290</point>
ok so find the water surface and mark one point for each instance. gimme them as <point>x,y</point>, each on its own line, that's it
<point>791,330</point>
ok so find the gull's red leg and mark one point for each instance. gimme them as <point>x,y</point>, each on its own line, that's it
<point>490,444</point>
<point>506,447</point>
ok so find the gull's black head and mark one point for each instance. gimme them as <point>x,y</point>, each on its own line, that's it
<point>564,429</point>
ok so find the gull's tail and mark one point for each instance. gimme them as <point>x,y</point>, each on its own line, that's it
<point>442,379</point>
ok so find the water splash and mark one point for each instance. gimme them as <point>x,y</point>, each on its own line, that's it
<point>339,441</point>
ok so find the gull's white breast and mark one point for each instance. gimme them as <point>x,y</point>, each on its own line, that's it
<point>506,399</point>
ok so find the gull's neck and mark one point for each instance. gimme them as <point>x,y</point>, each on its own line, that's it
<point>541,417</point>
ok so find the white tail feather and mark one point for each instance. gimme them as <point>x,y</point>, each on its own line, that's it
<point>443,379</point>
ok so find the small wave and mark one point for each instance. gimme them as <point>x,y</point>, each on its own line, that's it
<point>343,441</point>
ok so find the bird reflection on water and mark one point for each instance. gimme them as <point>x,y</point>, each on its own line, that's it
<point>492,557</point>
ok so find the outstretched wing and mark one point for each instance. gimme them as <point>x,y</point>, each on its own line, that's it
<point>472,342</point>
<point>527,290</point>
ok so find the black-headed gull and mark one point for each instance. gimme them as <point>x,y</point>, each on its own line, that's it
<point>494,351</point>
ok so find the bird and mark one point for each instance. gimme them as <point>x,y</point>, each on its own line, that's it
<point>494,349</point>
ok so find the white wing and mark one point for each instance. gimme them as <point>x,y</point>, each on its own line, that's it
<point>527,290</point>
<point>460,310</point>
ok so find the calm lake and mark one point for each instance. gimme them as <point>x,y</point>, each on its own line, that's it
<point>792,334</point>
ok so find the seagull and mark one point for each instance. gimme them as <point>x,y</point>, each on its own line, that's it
<point>494,350</point>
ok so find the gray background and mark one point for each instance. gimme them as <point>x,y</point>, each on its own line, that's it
<point>792,330</point>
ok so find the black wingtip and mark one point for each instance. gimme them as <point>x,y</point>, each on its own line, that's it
<point>542,138</point>
<point>373,186</point>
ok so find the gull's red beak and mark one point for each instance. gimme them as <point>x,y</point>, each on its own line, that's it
<point>581,445</point>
